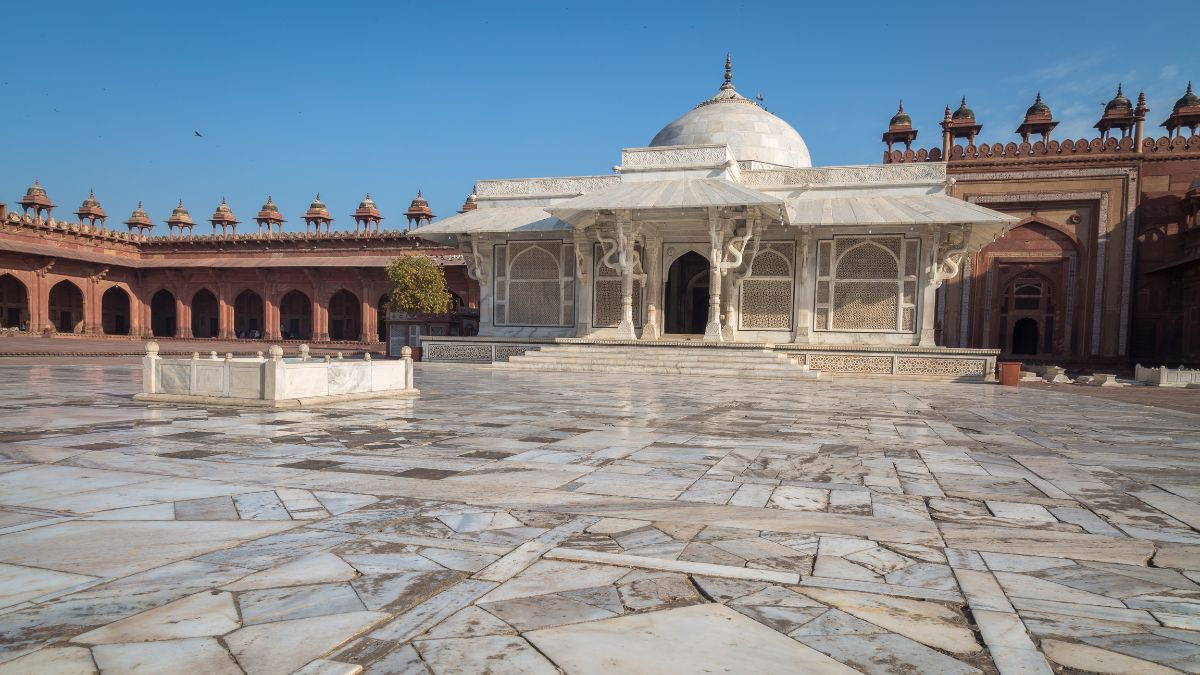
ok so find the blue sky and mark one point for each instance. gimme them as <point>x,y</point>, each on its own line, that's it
<point>296,97</point>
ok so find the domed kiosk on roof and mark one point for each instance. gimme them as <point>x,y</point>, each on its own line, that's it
<point>757,138</point>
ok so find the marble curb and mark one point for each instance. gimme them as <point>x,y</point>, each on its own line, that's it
<point>882,589</point>
<point>662,565</point>
<point>280,404</point>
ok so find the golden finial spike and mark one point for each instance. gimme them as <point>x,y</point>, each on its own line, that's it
<point>728,72</point>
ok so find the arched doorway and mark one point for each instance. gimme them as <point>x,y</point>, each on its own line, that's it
<point>381,318</point>
<point>205,313</point>
<point>66,307</point>
<point>114,311</point>
<point>1028,316</point>
<point>345,316</point>
<point>686,303</point>
<point>295,316</point>
<point>14,303</point>
<point>162,314</point>
<point>1025,336</point>
<point>248,315</point>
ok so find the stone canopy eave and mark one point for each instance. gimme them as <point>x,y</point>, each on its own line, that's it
<point>669,200</point>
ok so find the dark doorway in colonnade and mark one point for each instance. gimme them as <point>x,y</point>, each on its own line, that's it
<point>66,307</point>
<point>687,294</point>
<point>295,316</point>
<point>345,316</point>
<point>162,314</point>
<point>114,311</point>
<point>205,313</point>
<point>248,315</point>
<point>14,303</point>
<point>381,318</point>
<point>1025,336</point>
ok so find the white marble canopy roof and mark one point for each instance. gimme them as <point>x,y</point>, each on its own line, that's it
<point>657,195</point>
<point>497,220</point>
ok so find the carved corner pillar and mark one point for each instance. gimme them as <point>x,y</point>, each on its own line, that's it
<point>946,255</point>
<point>740,251</point>
<point>620,254</point>
<point>805,296</point>
<point>584,264</point>
<point>652,290</point>
<point>625,257</point>
<point>477,252</point>
<point>716,246</point>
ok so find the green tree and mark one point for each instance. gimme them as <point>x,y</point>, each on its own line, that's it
<point>418,285</point>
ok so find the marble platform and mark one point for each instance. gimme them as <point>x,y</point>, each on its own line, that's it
<point>886,361</point>
<point>272,381</point>
<point>532,522</point>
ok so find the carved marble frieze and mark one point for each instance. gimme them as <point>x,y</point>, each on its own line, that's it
<point>836,175</point>
<point>551,187</point>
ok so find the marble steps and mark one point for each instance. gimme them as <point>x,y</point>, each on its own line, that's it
<point>707,362</point>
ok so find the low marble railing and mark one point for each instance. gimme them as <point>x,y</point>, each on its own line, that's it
<point>272,380</point>
<point>1167,377</point>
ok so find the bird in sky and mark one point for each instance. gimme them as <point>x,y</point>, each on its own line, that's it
<point>197,134</point>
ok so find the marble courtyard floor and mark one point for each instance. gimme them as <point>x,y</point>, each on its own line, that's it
<point>543,522</point>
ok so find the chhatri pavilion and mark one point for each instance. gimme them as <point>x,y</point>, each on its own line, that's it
<point>722,232</point>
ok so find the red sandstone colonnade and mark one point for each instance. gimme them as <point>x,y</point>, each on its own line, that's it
<point>325,303</point>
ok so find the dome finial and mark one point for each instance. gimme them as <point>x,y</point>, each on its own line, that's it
<point>1119,93</point>
<point>901,105</point>
<point>728,72</point>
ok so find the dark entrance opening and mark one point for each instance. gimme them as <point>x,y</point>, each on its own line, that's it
<point>687,294</point>
<point>248,315</point>
<point>114,311</point>
<point>66,307</point>
<point>1025,337</point>
<point>205,311</point>
<point>162,314</point>
<point>14,303</point>
<point>345,322</point>
<point>295,316</point>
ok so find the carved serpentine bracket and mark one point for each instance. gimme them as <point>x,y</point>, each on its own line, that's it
<point>619,252</point>
<point>582,243</point>
<point>476,264</point>
<point>950,256</point>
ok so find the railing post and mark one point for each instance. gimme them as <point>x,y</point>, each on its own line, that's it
<point>406,356</point>
<point>273,375</point>
<point>150,368</point>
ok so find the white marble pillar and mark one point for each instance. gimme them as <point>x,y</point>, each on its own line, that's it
<point>477,253</point>
<point>926,316</point>
<point>585,266</point>
<point>805,293</point>
<point>716,245</point>
<point>652,289</point>
<point>625,264</point>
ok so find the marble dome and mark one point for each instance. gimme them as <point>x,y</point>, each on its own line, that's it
<point>753,134</point>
